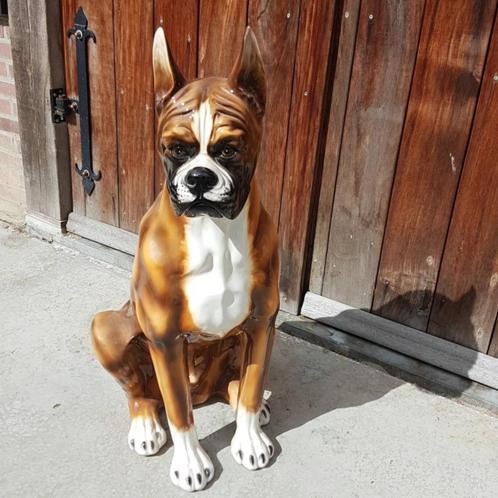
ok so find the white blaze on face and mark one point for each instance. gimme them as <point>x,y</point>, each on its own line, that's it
<point>202,126</point>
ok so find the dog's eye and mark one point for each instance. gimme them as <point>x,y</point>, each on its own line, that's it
<point>227,152</point>
<point>178,151</point>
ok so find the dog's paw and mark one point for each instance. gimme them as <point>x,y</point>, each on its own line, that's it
<point>250,446</point>
<point>264,414</point>
<point>191,468</point>
<point>146,436</point>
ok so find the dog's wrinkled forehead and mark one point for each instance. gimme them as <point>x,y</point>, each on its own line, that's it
<point>209,111</point>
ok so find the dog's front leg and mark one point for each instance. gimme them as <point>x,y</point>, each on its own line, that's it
<point>191,468</point>
<point>250,446</point>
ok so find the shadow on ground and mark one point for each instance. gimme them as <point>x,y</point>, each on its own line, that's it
<point>304,389</point>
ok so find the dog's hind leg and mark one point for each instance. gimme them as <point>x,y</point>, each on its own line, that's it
<point>122,350</point>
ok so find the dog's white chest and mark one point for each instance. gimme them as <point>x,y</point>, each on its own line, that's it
<point>217,283</point>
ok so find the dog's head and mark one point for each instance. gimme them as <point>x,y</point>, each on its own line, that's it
<point>209,131</point>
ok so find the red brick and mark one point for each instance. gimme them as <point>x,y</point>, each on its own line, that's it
<point>5,106</point>
<point>9,125</point>
<point>4,69</point>
<point>5,51</point>
<point>7,89</point>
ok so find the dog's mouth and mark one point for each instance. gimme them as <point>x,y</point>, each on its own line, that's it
<point>205,207</point>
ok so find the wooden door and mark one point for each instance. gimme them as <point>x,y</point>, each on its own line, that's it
<point>407,226</point>
<point>205,36</point>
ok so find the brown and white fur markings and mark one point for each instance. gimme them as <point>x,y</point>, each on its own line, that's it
<point>204,288</point>
<point>217,284</point>
<point>202,126</point>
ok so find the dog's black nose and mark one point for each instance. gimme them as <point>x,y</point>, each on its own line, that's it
<point>200,180</point>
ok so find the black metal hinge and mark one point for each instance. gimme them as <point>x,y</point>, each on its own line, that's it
<point>61,105</point>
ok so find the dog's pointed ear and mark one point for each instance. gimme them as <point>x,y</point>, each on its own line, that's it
<point>248,73</point>
<point>167,77</point>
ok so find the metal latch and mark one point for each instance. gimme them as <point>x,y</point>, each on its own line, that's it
<point>61,105</point>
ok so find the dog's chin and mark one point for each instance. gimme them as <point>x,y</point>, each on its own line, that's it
<point>204,207</point>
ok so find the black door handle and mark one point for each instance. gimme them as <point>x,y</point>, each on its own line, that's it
<point>81,33</point>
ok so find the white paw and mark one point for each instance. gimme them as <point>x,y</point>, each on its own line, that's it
<point>264,414</point>
<point>146,436</point>
<point>191,468</point>
<point>250,446</point>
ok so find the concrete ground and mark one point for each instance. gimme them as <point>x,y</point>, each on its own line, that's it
<point>342,428</point>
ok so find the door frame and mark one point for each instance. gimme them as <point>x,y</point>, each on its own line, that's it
<point>38,60</point>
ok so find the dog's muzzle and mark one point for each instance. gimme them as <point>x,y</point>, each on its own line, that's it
<point>202,187</point>
<point>200,180</point>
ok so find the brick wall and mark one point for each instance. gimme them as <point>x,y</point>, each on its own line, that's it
<point>12,192</point>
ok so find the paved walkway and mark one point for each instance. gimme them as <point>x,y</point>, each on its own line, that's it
<point>342,428</point>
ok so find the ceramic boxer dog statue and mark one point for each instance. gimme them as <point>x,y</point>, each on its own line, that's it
<point>204,290</point>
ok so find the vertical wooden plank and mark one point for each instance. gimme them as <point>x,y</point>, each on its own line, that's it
<point>342,75</point>
<point>380,84</point>
<point>35,31</point>
<point>179,20</point>
<point>307,112</point>
<point>449,67</point>
<point>102,205</point>
<point>275,25</point>
<point>470,259</point>
<point>134,24</point>
<point>221,31</point>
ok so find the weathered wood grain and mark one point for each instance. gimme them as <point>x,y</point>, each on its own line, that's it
<point>421,373</point>
<point>102,205</point>
<point>454,40</point>
<point>179,20</point>
<point>275,25</point>
<point>342,76</point>
<point>221,31</point>
<point>307,116</point>
<point>135,109</point>
<point>378,95</point>
<point>458,359</point>
<point>105,234</point>
<point>470,261</point>
<point>38,66</point>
